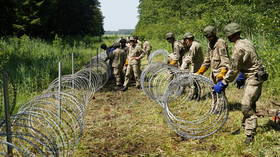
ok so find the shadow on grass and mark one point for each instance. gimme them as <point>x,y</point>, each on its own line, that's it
<point>270,125</point>
<point>233,106</point>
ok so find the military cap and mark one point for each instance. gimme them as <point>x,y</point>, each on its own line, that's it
<point>188,35</point>
<point>209,31</point>
<point>232,28</point>
<point>169,35</point>
<point>123,40</point>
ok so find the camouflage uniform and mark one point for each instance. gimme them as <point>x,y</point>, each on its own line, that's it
<point>133,64</point>
<point>217,58</point>
<point>147,48</point>
<point>118,56</point>
<point>245,59</point>
<point>178,51</point>
<point>139,43</point>
<point>193,57</point>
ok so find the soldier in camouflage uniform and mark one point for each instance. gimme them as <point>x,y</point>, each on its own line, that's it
<point>247,64</point>
<point>178,50</point>
<point>135,54</point>
<point>147,47</point>
<point>192,59</point>
<point>139,43</point>
<point>118,57</point>
<point>216,57</point>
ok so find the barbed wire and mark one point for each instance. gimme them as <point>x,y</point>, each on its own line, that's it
<point>191,108</point>
<point>158,56</point>
<point>52,123</point>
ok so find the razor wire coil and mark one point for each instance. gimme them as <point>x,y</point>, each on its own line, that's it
<point>38,129</point>
<point>191,108</point>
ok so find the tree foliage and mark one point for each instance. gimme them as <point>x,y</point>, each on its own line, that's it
<point>255,16</point>
<point>49,17</point>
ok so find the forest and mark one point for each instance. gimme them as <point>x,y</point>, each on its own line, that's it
<point>47,18</point>
<point>257,17</point>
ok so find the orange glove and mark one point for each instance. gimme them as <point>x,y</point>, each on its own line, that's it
<point>172,62</point>
<point>201,70</point>
<point>275,118</point>
<point>221,75</point>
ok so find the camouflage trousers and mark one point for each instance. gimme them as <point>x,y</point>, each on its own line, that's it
<point>118,75</point>
<point>252,92</point>
<point>135,68</point>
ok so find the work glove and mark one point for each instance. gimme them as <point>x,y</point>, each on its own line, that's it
<point>221,75</point>
<point>202,70</point>
<point>172,62</point>
<point>240,80</point>
<point>219,87</point>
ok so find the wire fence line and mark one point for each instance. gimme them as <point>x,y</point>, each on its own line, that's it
<point>52,123</point>
<point>190,106</point>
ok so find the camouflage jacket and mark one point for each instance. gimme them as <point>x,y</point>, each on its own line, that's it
<point>178,51</point>
<point>135,51</point>
<point>193,58</point>
<point>244,59</point>
<point>119,56</point>
<point>217,57</point>
<point>147,47</point>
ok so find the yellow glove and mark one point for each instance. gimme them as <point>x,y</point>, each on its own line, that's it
<point>221,75</point>
<point>201,70</point>
<point>126,62</point>
<point>172,62</point>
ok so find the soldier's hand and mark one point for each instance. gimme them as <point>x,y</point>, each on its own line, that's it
<point>240,80</point>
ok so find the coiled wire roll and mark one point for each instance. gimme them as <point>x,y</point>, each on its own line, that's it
<point>191,108</point>
<point>52,124</point>
<point>158,56</point>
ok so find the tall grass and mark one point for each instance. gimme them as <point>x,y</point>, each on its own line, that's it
<point>33,63</point>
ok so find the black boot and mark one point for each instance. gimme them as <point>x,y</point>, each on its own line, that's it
<point>124,88</point>
<point>249,139</point>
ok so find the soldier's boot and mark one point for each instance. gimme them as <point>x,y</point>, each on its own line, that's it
<point>249,139</point>
<point>250,128</point>
<point>124,88</point>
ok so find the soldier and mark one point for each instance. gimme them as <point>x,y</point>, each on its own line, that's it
<point>139,43</point>
<point>252,74</point>
<point>194,56</point>
<point>109,51</point>
<point>147,47</point>
<point>178,50</point>
<point>135,54</point>
<point>216,57</point>
<point>118,57</point>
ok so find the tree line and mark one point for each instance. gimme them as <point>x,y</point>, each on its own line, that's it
<point>157,17</point>
<point>47,18</point>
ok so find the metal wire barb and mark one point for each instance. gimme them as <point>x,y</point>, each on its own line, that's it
<point>39,130</point>
<point>191,108</point>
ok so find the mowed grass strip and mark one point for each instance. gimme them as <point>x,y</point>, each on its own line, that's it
<point>129,124</point>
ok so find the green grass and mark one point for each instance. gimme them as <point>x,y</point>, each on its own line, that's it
<point>33,63</point>
<point>129,124</point>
